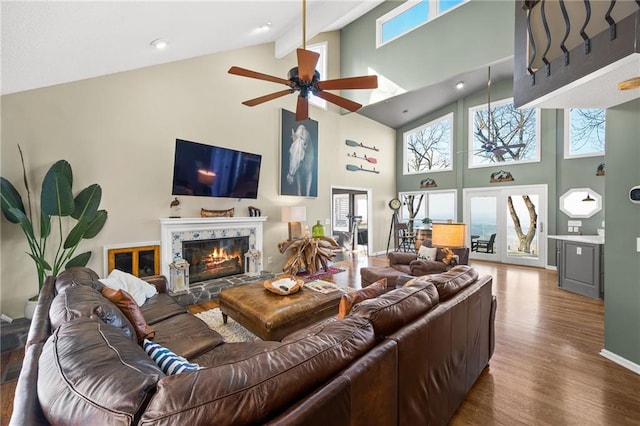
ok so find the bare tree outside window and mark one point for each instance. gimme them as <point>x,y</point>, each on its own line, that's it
<point>524,238</point>
<point>507,135</point>
<point>428,148</point>
<point>585,132</point>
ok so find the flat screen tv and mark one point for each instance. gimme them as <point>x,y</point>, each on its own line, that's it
<point>212,171</point>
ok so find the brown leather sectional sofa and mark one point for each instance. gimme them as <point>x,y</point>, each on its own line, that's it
<point>407,357</point>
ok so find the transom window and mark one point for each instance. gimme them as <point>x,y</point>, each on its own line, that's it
<point>428,148</point>
<point>584,132</point>
<point>510,135</point>
<point>409,16</point>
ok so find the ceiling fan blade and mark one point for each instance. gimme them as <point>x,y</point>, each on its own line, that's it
<point>302,109</point>
<point>516,145</point>
<point>258,75</point>
<point>339,100</point>
<point>307,61</point>
<point>364,82</point>
<point>266,98</point>
<point>632,83</point>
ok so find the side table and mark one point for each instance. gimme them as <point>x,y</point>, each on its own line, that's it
<point>13,335</point>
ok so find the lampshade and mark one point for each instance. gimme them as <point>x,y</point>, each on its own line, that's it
<point>450,235</point>
<point>294,215</point>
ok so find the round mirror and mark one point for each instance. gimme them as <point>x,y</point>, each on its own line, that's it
<point>580,202</point>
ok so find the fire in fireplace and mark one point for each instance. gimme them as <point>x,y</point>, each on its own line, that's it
<point>215,258</point>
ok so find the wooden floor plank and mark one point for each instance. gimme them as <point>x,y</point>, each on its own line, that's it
<point>546,369</point>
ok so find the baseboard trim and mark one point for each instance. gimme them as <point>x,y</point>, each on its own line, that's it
<point>621,361</point>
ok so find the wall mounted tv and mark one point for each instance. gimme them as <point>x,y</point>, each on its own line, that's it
<point>212,171</point>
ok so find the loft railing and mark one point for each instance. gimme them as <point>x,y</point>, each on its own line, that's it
<point>560,41</point>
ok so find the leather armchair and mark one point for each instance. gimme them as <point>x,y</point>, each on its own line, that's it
<point>409,263</point>
<point>401,263</point>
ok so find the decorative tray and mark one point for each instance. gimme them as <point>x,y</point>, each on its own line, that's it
<point>283,284</point>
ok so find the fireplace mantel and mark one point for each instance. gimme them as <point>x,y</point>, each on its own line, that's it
<point>174,230</point>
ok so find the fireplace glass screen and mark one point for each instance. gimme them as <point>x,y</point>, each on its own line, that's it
<point>215,258</point>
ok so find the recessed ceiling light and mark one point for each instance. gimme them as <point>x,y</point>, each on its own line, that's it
<point>459,85</point>
<point>159,43</point>
<point>265,27</point>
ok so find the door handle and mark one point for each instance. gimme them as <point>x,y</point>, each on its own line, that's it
<point>541,227</point>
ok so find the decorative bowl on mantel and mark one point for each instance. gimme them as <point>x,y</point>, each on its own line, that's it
<point>283,285</point>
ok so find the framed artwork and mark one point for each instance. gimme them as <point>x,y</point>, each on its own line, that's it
<point>298,156</point>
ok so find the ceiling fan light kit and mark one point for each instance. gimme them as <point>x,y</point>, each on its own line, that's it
<point>305,79</point>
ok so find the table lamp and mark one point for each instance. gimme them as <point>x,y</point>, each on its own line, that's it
<point>294,215</point>
<point>447,236</point>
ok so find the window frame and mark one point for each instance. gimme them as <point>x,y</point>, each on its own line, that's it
<point>470,136</point>
<point>322,49</point>
<point>403,212</point>
<point>394,13</point>
<point>567,136</point>
<point>405,136</point>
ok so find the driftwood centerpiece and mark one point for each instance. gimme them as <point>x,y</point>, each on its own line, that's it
<point>311,254</point>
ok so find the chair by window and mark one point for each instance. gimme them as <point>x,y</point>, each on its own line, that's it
<point>485,245</point>
<point>406,241</point>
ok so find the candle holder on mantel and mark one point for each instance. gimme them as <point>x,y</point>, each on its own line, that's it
<point>179,275</point>
<point>252,264</point>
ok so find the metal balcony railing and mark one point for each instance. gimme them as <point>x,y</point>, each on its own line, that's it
<point>560,41</point>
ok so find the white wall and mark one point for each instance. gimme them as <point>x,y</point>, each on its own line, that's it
<point>119,131</point>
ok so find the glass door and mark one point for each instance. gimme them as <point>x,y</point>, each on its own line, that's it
<point>483,225</point>
<point>524,219</point>
<point>507,224</point>
<point>350,218</point>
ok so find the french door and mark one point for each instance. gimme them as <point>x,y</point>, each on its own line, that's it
<point>507,224</point>
<point>351,213</point>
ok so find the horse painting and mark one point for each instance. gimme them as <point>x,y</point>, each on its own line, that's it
<point>301,161</point>
<point>300,177</point>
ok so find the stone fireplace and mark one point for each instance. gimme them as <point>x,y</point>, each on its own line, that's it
<point>215,249</point>
<point>215,258</point>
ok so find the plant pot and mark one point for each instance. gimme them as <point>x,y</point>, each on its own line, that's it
<point>30,307</point>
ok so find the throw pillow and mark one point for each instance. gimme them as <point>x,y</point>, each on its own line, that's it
<point>349,300</point>
<point>168,362</point>
<point>139,289</point>
<point>427,253</point>
<point>131,310</point>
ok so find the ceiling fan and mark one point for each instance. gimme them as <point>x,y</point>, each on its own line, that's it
<point>305,79</point>
<point>491,146</point>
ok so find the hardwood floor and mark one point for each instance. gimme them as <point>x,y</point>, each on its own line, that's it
<point>546,369</point>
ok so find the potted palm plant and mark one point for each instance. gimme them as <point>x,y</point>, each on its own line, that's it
<point>56,200</point>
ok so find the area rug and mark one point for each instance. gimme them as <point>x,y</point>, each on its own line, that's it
<point>319,274</point>
<point>231,331</point>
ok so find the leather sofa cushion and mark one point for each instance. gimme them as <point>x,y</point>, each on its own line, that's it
<point>451,282</point>
<point>186,335</point>
<point>397,308</point>
<point>160,307</point>
<point>253,390</point>
<point>349,300</point>
<point>131,310</point>
<point>77,275</point>
<point>425,267</point>
<point>90,373</point>
<point>84,301</point>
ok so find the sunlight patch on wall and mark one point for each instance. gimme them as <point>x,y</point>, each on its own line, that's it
<point>386,88</point>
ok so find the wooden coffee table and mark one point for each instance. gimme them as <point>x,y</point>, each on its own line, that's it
<point>272,317</point>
